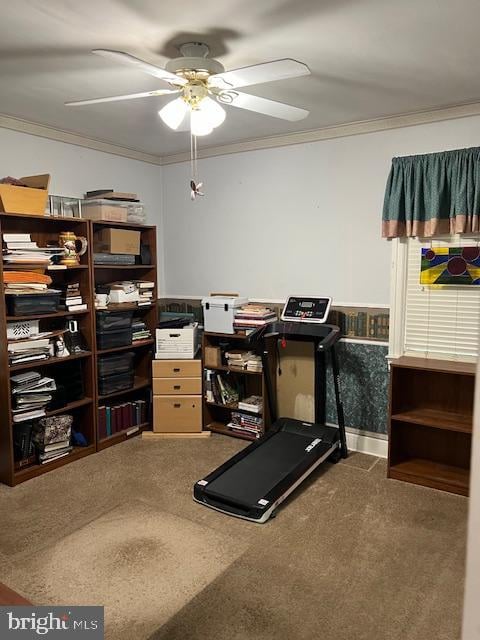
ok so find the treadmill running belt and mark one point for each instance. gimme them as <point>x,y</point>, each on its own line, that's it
<point>254,476</point>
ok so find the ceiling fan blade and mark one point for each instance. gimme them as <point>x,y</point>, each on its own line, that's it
<point>141,65</point>
<point>128,96</point>
<point>265,106</point>
<point>259,73</point>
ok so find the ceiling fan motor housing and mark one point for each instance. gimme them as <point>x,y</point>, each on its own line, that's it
<point>194,62</point>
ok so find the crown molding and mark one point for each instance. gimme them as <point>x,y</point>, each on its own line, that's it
<point>44,131</point>
<point>255,144</point>
<point>338,131</point>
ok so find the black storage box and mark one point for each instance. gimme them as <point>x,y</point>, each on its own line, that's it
<point>115,383</point>
<point>116,363</point>
<point>108,320</point>
<point>115,338</point>
<point>25,304</point>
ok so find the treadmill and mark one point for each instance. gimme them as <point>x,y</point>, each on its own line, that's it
<point>255,481</point>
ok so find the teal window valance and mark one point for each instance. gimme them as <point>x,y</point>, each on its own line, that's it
<point>433,194</point>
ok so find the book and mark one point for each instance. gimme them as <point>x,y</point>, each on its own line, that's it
<point>16,237</point>
<point>60,455</point>
<point>78,307</point>
<point>28,415</point>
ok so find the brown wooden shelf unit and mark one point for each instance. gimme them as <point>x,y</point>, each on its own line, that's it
<point>44,230</point>
<point>143,349</point>
<point>216,416</point>
<point>431,418</point>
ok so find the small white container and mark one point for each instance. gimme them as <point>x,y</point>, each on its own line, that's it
<point>173,344</point>
<point>219,312</point>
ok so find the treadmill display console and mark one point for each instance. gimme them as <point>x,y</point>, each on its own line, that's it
<point>306,309</point>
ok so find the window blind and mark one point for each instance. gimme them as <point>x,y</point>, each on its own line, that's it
<point>440,321</point>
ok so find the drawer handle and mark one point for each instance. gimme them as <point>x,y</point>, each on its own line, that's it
<point>177,405</point>
<point>177,386</point>
<point>177,369</point>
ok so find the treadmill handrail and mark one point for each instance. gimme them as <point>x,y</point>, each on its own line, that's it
<point>330,339</point>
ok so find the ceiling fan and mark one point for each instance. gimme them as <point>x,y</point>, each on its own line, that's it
<point>203,85</point>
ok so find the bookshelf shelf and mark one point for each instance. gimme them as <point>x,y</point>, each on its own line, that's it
<point>35,470</point>
<point>68,407</point>
<point>125,434</point>
<point>49,361</point>
<point>45,316</point>
<point>219,427</point>
<point>124,267</point>
<point>239,371</point>
<point>135,345</point>
<point>216,415</point>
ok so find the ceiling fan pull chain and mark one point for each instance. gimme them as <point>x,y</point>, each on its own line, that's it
<point>195,187</point>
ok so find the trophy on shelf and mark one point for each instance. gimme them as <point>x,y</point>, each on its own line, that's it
<point>68,241</point>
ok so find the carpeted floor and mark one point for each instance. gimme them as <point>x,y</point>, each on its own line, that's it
<point>353,556</point>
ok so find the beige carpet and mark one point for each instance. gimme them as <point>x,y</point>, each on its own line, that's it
<point>353,556</point>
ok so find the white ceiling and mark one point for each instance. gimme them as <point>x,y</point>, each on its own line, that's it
<point>369,58</point>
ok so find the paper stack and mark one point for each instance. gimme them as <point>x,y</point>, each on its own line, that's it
<point>140,331</point>
<point>237,359</point>
<point>31,393</point>
<point>19,249</point>
<point>251,316</point>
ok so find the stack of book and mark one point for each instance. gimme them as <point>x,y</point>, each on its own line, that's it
<point>140,331</point>
<point>252,403</point>
<point>145,291</point>
<point>31,394</point>
<point>116,418</point>
<point>251,316</point>
<point>71,298</point>
<point>237,359</point>
<point>29,350</point>
<point>246,424</point>
<point>52,437</point>
<point>254,364</point>
<point>218,390</point>
<point>19,249</point>
<point>26,282</point>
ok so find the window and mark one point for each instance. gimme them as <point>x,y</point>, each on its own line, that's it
<point>440,321</point>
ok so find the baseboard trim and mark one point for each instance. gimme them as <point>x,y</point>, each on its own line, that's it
<point>374,444</point>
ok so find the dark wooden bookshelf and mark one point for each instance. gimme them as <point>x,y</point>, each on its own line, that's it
<point>216,415</point>
<point>143,349</point>
<point>431,419</point>
<point>45,230</point>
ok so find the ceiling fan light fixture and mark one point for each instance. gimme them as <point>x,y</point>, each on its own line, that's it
<point>199,123</point>
<point>174,112</point>
<point>212,112</point>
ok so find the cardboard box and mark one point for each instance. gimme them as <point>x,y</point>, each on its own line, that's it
<point>110,240</point>
<point>31,199</point>
<point>212,357</point>
<point>173,414</point>
<point>176,368</point>
<point>105,210</point>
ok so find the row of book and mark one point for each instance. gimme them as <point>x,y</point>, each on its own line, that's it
<point>218,390</point>
<point>246,424</point>
<point>362,324</point>
<point>45,440</point>
<point>252,316</point>
<point>115,418</point>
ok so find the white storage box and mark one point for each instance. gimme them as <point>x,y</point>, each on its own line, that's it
<point>22,329</point>
<point>219,312</point>
<point>172,344</point>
